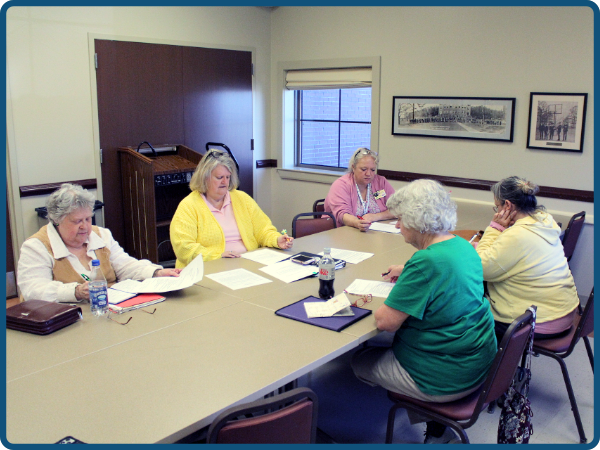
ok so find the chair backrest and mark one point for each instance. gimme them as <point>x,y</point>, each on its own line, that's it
<point>509,355</point>
<point>571,235</point>
<point>586,323</point>
<point>305,227</point>
<point>289,418</point>
<point>319,205</point>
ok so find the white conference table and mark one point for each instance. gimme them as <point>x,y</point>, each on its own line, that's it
<point>166,375</point>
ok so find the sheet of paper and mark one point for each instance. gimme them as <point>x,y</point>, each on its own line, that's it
<point>265,256</point>
<point>328,308</point>
<point>115,296</point>
<point>375,288</point>
<point>238,279</point>
<point>191,274</point>
<point>349,256</point>
<point>385,227</point>
<point>288,271</point>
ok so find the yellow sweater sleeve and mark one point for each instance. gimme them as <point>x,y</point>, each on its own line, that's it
<point>255,226</point>
<point>194,231</point>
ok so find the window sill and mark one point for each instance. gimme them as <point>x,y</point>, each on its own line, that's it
<point>312,175</point>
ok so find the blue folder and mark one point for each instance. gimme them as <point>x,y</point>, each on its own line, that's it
<point>296,311</point>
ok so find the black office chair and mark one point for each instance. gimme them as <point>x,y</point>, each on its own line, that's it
<point>463,413</point>
<point>318,222</point>
<point>561,347</point>
<point>571,235</point>
<point>289,418</point>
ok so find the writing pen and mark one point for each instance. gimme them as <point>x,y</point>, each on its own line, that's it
<point>283,233</point>
<point>360,217</point>
<point>85,277</point>
<point>387,273</point>
<point>473,238</point>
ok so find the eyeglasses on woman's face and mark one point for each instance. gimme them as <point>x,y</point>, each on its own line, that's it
<point>498,206</point>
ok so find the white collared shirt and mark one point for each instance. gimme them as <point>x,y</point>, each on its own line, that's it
<point>34,272</point>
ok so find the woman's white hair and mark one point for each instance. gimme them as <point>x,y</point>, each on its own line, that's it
<point>207,164</point>
<point>425,206</point>
<point>66,199</point>
<point>359,154</point>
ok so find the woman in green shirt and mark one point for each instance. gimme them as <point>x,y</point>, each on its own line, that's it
<point>444,340</point>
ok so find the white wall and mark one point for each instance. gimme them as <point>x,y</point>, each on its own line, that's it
<point>435,51</point>
<point>453,51</point>
<point>52,124</point>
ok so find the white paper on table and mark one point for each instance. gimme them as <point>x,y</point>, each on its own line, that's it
<point>328,308</point>
<point>265,256</point>
<point>375,288</point>
<point>349,256</point>
<point>288,271</point>
<point>238,279</point>
<point>191,274</point>
<point>115,296</point>
<point>385,227</point>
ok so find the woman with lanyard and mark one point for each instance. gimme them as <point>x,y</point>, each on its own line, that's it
<point>359,197</point>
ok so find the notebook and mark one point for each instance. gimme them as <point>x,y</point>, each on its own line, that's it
<point>296,311</point>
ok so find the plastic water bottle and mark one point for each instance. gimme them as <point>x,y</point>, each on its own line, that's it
<point>326,275</point>
<point>98,291</point>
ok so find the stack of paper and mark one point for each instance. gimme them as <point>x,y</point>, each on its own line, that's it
<point>288,271</point>
<point>375,288</point>
<point>238,279</point>
<point>265,256</point>
<point>192,273</point>
<point>349,255</point>
<point>139,301</point>
<point>385,227</point>
<point>328,308</point>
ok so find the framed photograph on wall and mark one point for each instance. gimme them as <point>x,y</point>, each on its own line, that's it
<point>556,121</point>
<point>454,117</point>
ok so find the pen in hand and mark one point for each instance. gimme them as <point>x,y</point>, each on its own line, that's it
<point>387,273</point>
<point>85,277</point>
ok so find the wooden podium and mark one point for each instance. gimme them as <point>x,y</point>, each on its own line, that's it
<point>153,186</point>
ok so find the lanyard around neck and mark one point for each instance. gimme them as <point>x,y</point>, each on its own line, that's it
<point>364,204</point>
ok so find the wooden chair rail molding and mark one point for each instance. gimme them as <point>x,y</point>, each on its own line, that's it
<point>44,189</point>
<point>484,185</point>
<point>468,183</point>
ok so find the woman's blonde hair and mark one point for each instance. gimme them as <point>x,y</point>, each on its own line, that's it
<point>207,164</point>
<point>360,154</point>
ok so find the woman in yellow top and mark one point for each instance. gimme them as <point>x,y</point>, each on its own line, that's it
<point>218,221</point>
<point>524,261</point>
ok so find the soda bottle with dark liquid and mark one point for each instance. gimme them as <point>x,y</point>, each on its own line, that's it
<point>326,275</point>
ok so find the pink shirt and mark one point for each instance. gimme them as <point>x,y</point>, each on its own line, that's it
<point>343,197</point>
<point>226,218</point>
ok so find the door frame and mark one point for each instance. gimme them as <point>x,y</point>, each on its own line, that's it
<point>94,91</point>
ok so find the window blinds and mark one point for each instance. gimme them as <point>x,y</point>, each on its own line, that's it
<point>357,77</point>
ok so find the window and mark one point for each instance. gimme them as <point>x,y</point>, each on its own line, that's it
<point>330,124</point>
<point>328,109</point>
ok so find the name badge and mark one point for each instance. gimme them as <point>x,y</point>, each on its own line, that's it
<point>379,194</point>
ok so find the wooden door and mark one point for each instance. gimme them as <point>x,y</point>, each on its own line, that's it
<point>217,86</point>
<point>168,94</point>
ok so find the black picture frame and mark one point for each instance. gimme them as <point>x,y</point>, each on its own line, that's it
<point>550,114</point>
<point>484,118</point>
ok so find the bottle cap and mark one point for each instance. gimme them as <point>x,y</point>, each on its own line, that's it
<point>95,262</point>
<point>327,250</point>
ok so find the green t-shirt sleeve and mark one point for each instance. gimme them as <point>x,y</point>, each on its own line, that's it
<point>412,290</point>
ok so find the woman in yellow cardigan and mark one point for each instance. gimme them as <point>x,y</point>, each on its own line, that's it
<point>218,221</point>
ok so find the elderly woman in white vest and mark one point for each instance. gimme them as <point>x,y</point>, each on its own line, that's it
<point>56,262</point>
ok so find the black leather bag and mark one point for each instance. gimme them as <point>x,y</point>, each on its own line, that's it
<point>41,317</point>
